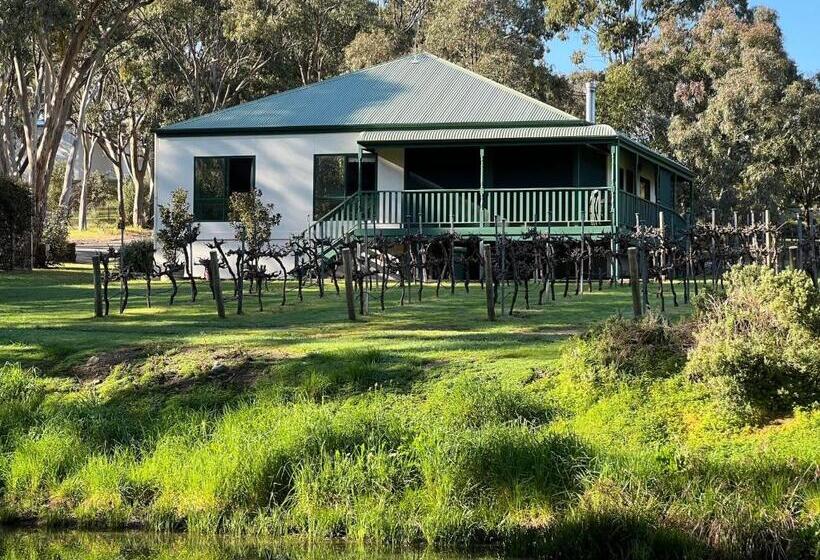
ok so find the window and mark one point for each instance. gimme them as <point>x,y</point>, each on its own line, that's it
<point>626,179</point>
<point>646,188</point>
<point>336,177</point>
<point>215,179</point>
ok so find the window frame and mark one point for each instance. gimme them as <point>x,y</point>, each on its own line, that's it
<point>225,186</point>
<point>342,198</point>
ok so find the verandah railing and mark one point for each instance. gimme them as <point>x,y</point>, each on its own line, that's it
<point>440,208</point>
<point>472,208</point>
<point>648,213</point>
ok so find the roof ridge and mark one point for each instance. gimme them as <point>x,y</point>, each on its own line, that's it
<point>499,84</point>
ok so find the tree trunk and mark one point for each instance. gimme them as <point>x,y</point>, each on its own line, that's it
<point>68,177</point>
<point>88,143</point>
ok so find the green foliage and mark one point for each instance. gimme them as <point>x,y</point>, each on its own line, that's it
<point>55,231</point>
<point>760,344</point>
<point>620,349</point>
<point>15,220</point>
<point>55,187</point>
<point>138,256</point>
<point>21,393</point>
<point>177,228</point>
<point>38,464</point>
<point>252,221</point>
<point>500,40</point>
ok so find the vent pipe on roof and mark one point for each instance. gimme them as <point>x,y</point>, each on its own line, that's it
<point>590,112</point>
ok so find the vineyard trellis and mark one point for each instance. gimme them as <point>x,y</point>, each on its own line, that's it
<point>688,261</point>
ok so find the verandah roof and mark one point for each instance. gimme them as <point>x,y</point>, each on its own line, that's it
<point>501,135</point>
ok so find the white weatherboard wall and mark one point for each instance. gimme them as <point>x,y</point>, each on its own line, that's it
<point>284,174</point>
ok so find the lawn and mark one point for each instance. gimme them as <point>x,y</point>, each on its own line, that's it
<point>420,424</point>
<point>46,320</point>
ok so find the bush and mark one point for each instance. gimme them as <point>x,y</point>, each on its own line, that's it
<point>138,256</point>
<point>758,345</point>
<point>15,222</point>
<point>620,349</point>
<point>178,229</point>
<point>55,234</point>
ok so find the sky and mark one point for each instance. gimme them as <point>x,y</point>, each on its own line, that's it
<point>799,19</point>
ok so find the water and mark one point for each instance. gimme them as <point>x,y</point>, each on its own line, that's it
<point>83,545</point>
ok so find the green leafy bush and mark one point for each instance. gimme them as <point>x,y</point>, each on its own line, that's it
<point>177,229</point>
<point>55,234</point>
<point>759,345</point>
<point>138,255</point>
<point>620,349</point>
<point>15,222</point>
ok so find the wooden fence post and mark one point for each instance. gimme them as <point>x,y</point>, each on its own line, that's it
<point>217,285</point>
<point>488,281</point>
<point>98,309</point>
<point>348,267</point>
<point>637,306</point>
<point>793,257</point>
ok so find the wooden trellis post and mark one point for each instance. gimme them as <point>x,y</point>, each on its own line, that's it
<point>217,285</point>
<point>347,262</point>
<point>488,281</point>
<point>637,305</point>
<point>98,309</point>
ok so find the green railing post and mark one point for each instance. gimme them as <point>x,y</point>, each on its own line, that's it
<point>481,189</point>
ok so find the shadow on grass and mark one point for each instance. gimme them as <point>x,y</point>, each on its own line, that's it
<point>134,409</point>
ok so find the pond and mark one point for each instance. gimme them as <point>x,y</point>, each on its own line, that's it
<point>84,545</point>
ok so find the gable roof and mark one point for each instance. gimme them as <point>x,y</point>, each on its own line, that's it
<point>414,91</point>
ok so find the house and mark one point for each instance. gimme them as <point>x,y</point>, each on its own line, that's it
<point>417,144</point>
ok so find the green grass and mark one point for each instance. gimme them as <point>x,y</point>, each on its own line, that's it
<point>422,424</point>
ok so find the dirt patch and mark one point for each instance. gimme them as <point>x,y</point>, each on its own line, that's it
<point>98,366</point>
<point>179,368</point>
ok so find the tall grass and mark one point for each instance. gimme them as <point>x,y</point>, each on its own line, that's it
<point>394,439</point>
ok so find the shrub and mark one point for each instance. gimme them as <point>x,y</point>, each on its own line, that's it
<point>55,233</point>
<point>620,349</point>
<point>138,256</point>
<point>252,221</point>
<point>178,229</point>
<point>15,222</point>
<point>759,346</point>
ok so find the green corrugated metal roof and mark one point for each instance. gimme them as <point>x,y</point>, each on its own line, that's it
<point>413,91</point>
<point>591,132</point>
<point>479,134</point>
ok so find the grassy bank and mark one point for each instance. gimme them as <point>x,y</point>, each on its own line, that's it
<point>425,424</point>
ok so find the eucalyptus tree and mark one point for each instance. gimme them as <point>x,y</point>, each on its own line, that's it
<point>621,27</point>
<point>313,34</point>
<point>51,47</point>
<point>787,158</point>
<point>733,74</point>
<point>396,30</point>
<point>108,123</point>
<point>215,48</point>
<point>499,39</point>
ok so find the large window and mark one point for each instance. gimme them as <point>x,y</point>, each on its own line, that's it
<point>215,179</point>
<point>336,176</point>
